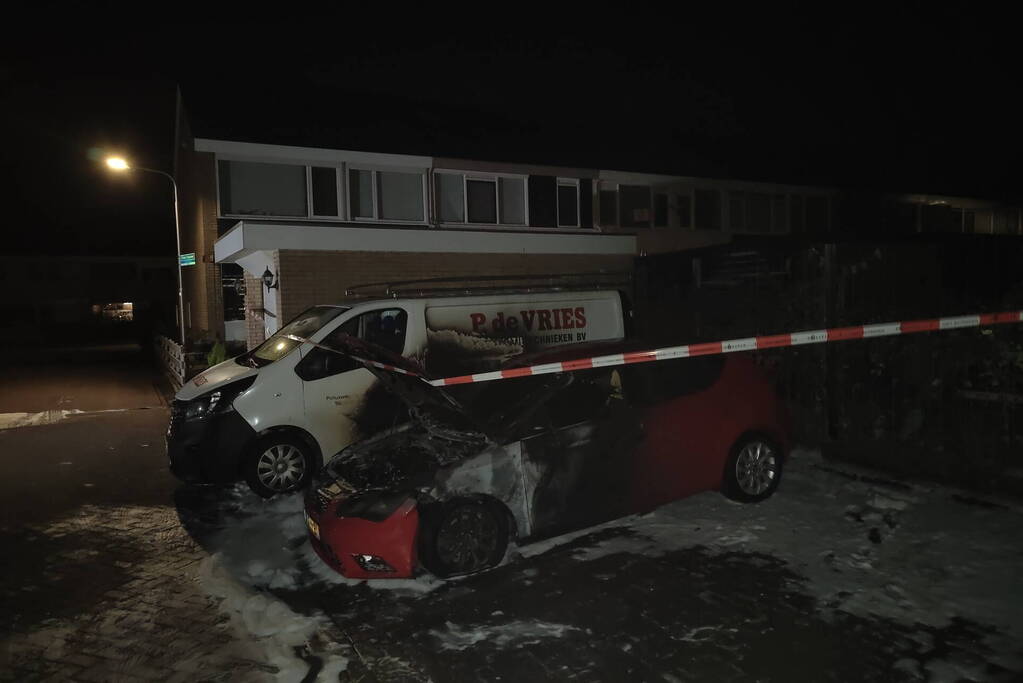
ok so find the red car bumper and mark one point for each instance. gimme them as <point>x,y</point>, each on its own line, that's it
<point>362,549</point>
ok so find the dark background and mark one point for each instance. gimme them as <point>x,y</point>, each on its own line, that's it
<point>915,98</point>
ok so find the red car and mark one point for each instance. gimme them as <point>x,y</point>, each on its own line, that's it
<point>481,464</point>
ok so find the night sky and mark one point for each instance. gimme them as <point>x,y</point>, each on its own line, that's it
<point>914,99</point>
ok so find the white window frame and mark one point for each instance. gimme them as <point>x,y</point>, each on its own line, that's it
<point>491,178</point>
<point>567,182</point>
<point>338,190</point>
<point>374,185</point>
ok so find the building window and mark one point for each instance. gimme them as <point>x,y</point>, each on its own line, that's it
<point>684,208</point>
<point>608,207</point>
<point>360,190</point>
<point>493,200</point>
<point>816,214</point>
<point>758,212</point>
<point>325,190</point>
<point>258,189</point>
<point>400,196</point>
<point>386,195</point>
<point>660,210</point>
<point>707,209</point>
<point>481,200</point>
<point>779,214</point>
<point>634,202</point>
<point>512,200</point>
<point>969,221</point>
<point>450,198</point>
<point>568,203</point>
<point>796,209</point>
<point>736,211</point>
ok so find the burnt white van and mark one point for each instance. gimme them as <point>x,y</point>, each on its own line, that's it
<point>271,415</point>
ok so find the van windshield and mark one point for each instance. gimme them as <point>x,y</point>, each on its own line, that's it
<point>304,325</point>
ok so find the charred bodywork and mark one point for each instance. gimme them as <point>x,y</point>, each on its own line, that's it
<point>534,456</point>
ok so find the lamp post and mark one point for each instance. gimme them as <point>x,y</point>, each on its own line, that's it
<point>120,164</point>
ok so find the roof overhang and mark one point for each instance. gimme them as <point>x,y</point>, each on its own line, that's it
<point>248,237</point>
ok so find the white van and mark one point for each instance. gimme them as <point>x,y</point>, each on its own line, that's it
<point>270,416</point>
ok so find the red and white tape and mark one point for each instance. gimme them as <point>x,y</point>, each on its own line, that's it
<point>745,344</point>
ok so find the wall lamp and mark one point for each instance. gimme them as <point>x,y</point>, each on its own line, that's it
<point>270,280</point>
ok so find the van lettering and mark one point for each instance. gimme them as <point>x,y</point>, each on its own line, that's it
<point>513,323</point>
<point>580,314</point>
<point>545,320</point>
<point>566,318</point>
<point>498,324</point>
<point>527,319</point>
<point>478,321</point>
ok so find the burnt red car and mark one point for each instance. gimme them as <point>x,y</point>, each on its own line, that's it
<point>478,465</point>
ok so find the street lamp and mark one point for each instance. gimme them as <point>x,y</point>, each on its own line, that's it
<point>120,164</point>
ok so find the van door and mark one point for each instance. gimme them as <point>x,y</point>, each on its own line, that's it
<point>340,400</point>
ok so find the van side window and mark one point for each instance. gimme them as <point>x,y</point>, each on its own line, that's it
<point>383,327</point>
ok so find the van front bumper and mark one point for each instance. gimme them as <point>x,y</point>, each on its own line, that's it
<point>207,451</point>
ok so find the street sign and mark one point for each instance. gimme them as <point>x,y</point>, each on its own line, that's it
<point>186,259</point>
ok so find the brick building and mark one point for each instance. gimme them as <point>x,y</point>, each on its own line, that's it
<point>319,221</point>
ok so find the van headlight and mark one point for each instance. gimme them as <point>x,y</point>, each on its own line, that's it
<point>218,401</point>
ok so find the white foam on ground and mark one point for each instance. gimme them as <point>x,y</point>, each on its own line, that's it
<point>270,628</point>
<point>456,637</point>
<point>937,560</point>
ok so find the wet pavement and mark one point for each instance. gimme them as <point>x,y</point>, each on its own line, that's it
<point>114,571</point>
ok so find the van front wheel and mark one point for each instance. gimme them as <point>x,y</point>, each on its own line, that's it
<point>279,463</point>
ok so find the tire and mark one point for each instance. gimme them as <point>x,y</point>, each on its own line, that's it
<point>279,464</point>
<point>753,470</point>
<point>463,536</point>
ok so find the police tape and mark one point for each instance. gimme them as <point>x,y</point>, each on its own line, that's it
<point>773,341</point>
<point>745,344</point>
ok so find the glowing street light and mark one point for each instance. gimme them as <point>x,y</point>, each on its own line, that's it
<point>120,164</point>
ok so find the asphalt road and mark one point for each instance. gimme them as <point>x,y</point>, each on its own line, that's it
<point>103,377</point>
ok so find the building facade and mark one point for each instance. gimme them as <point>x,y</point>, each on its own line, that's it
<point>314,222</point>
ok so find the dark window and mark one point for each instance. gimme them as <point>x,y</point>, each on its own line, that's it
<point>671,379</point>
<point>660,210</point>
<point>568,205</point>
<point>816,214</point>
<point>324,182</point>
<point>969,221</point>
<point>685,210</point>
<point>736,211</point>
<point>608,207</point>
<point>708,209</point>
<point>758,212</point>
<point>586,398</point>
<point>634,201</point>
<point>779,214</point>
<point>543,201</point>
<point>232,278</point>
<point>482,200</point>
<point>796,203</point>
<point>384,328</point>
